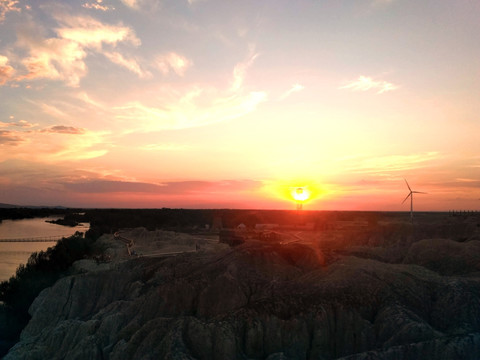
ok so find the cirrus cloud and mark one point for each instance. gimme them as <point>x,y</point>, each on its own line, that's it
<point>390,163</point>
<point>295,88</point>
<point>365,83</point>
<point>196,105</point>
<point>240,70</point>
<point>130,64</point>
<point>186,113</point>
<point>172,61</point>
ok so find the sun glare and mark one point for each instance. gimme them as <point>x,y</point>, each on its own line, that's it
<point>300,193</point>
<point>296,191</point>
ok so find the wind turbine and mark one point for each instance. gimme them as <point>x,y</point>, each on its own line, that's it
<point>410,194</point>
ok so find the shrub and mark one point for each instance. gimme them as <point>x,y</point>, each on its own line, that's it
<point>41,271</point>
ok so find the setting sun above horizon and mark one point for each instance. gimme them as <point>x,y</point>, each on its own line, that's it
<point>301,194</point>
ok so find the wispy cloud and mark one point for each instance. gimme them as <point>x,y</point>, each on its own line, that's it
<point>365,83</point>
<point>55,59</point>
<point>175,187</point>
<point>52,110</point>
<point>131,3</point>
<point>98,6</point>
<point>20,124</point>
<point>10,138</point>
<point>295,88</point>
<point>196,105</point>
<point>84,97</point>
<point>6,71</point>
<point>61,129</point>
<point>186,113</point>
<point>53,144</point>
<point>130,64</point>
<point>109,186</point>
<point>92,33</point>
<point>87,145</point>
<point>240,70</point>
<point>67,184</point>
<point>8,6</point>
<point>390,163</point>
<point>165,147</point>
<point>456,185</point>
<point>172,62</point>
<point>46,176</point>
<point>63,57</point>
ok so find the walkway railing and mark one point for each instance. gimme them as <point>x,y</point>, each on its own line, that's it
<point>37,239</point>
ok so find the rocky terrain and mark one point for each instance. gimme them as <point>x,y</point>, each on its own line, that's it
<point>392,292</point>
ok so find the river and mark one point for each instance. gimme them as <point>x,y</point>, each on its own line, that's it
<point>13,254</point>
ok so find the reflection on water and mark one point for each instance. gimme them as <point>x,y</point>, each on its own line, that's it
<point>13,254</point>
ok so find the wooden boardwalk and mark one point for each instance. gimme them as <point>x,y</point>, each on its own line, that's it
<point>37,239</point>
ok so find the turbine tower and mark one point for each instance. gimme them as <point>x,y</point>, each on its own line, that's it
<point>410,194</point>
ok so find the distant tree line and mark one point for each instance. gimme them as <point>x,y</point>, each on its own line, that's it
<point>111,220</point>
<point>30,213</point>
<point>186,220</point>
<point>18,213</point>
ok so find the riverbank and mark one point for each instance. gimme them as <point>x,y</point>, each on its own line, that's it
<point>18,213</point>
<point>64,222</point>
<point>41,271</point>
<point>12,254</point>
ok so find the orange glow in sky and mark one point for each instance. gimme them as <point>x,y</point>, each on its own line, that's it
<point>114,104</point>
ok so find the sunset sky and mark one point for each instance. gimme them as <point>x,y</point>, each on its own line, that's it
<point>232,104</point>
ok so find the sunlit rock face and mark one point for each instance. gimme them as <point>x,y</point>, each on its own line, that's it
<point>266,301</point>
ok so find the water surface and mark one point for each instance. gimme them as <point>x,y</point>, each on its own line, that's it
<point>13,254</point>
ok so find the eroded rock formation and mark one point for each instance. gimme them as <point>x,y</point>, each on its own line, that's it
<point>266,301</point>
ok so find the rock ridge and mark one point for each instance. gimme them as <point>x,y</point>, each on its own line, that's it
<point>260,301</point>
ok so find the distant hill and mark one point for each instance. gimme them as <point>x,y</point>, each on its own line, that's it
<point>10,206</point>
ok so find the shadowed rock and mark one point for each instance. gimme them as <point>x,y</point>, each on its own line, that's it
<point>264,301</point>
<point>446,256</point>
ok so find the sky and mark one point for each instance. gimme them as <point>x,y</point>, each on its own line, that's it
<point>235,104</point>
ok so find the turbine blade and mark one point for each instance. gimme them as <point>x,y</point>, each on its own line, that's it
<point>406,182</point>
<point>419,192</point>
<point>407,197</point>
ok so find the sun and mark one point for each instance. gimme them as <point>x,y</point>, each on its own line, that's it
<point>300,193</point>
